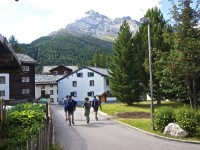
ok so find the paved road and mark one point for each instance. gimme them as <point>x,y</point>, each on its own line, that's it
<point>107,135</point>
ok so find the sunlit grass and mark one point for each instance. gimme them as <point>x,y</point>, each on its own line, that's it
<point>144,106</point>
<point>144,124</point>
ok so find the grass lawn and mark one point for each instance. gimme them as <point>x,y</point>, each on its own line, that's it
<point>143,124</point>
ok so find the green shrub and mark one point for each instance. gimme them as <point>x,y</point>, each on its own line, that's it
<point>24,120</point>
<point>56,147</point>
<point>163,116</point>
<point>187,119</point>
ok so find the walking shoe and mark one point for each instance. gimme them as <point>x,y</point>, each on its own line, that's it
<point>96,118</point>
<point>70,123</point>
<point>87,121</point>
<point>73,123</point>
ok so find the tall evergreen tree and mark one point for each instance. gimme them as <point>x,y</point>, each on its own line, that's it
<point>157,26</point>
<point>183,61</point>
<point>14,44</point>
<point>123,67</point>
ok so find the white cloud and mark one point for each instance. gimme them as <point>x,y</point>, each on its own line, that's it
<point>31,19</point>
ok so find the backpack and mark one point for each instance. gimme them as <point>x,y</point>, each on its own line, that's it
<point>87,105</point>
<point>96,103</point>
<point>70,106</point>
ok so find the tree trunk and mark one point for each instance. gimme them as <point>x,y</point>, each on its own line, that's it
<point>195,106</point>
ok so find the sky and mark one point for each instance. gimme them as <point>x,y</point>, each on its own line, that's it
<point>28,20</point>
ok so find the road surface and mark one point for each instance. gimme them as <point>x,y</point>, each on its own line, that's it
<point>106,135</point>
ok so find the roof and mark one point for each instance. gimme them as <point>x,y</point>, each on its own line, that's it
<point>26,59</point>
<point>101,71</point>
<point>8,57</point>
<point>46,79</point>
<point>46,69</point>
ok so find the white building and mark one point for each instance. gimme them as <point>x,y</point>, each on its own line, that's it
<point>47,87</point>
<point>4,86</point>
<point>85,82</point>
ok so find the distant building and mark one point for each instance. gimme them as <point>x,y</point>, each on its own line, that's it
<point>47,87</point>
<point>87,81</point>
<point>59,70</point>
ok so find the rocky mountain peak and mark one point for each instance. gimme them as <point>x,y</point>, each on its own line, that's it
<point>100,26</point>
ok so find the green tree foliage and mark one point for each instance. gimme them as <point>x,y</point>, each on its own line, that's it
<point>157,26</point>
<point>123,68</point>
<point>182,70</point>
<point>65,49</point>
<point>14,44</point>
<point>100,60</point>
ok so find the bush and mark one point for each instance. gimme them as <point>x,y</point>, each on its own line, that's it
<point>56,147</point>
<point>187,119</point>
<point>162,117</point>
<point>24,120</point>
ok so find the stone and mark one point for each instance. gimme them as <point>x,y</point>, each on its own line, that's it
<point>175,130</point>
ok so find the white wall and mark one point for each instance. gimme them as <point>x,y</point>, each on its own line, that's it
<point>38,88</point>
<point>83,86</point>
<point>5,87</point>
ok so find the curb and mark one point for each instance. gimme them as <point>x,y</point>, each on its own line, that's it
<point>102,114</point>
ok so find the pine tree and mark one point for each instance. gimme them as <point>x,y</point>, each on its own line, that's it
<point>14,44</point>
<point>123,67</point>
<point>158,25</point>
<point>186,48</point>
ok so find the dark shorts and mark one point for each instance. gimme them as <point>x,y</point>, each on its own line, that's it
<point>95,109</point>
<point>70,112</point>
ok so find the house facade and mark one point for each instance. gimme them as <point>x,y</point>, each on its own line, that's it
<point>17,74</point>
<point>47,87</point>
<point>59,70</point>
<point>87,81</point>
<point>4,85</point>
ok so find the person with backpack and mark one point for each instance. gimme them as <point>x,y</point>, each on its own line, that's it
<point>95,105</point>
<point>65,103</point>
<point>87,106</point>
<point>71,107</point>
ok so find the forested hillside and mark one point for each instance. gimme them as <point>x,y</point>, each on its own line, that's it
<point>66,49</point>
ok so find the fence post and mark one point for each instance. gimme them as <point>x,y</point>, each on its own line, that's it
<point>1,102</point>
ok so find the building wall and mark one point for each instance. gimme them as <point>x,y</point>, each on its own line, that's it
<point>83,85</point>
<point>16,84</point>
<point>5,87</point>
<point>47,88</point>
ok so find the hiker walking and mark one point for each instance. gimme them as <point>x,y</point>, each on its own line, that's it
<point>71,107</point>
<point>87,106</point>
<point>65,106</point>
<point>95,105</point>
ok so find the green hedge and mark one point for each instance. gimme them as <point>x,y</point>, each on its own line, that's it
<point>163,116</point>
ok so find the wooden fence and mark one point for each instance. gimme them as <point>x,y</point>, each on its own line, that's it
<point>45,135</point>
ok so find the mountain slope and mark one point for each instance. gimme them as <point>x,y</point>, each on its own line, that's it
<point>77,43</point>
<point>98,25</point>
<point>66,49</point>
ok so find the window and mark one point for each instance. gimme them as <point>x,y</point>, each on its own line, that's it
<point>25,91</point>
<point>52,100</point>
<point>25,68</point>
<point>51,85</point>
<point>91,82</point>
<point>79,74</point>
<point>90,74</point>
<point>51,92</point>
<point>2,93</point>
<point>65,72</point>
<point>74,83</point>
<point>25,79</point>
<point>107,82</point>
<point>2,80</point>
<point>74,94</point>
<point>55,72</point>
<point>90,93</point>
